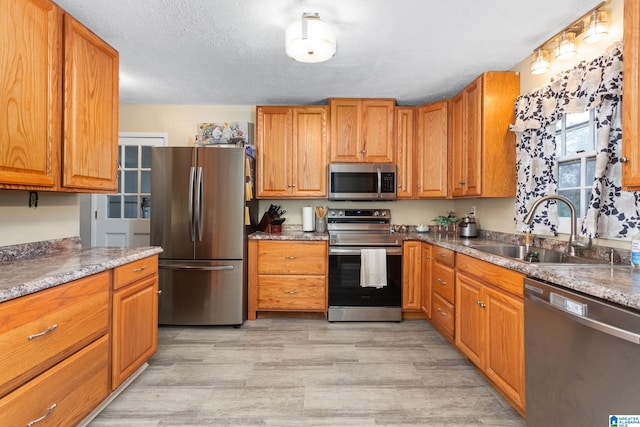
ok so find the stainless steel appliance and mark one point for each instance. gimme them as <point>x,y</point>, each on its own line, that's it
<point>467,227</point>
<point>198,213</point>
<point>351,231</point>
<point>362,181</point>
<point>582,358</point>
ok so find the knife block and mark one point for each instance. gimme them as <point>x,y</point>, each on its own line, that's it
<point>267,226</point>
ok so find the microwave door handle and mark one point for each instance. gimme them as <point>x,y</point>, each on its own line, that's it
<point>379,182</point>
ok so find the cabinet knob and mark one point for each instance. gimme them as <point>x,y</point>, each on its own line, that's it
<point>418,185</point>
<point>159,291</point>
<point>624,159</point>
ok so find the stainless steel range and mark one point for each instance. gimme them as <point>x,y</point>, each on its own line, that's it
<point>357,238</point>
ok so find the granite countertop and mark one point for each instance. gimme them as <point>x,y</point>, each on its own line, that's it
<point>27,273</point>
<point>293,234</point>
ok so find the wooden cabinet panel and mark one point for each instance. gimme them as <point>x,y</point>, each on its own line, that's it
<point>431,150</point>
<point>411,275</point>
<point>444,281</point>
<point>30,89</point>
<point>405,142</point>
<point>41,329</point>
<point>133,271</point>
<point>426,289</point>
<point>292,152</point>
<point>361,130</point>
<point>279,257</point>
<point>444,256</point>
<point>135,327</point>
<point>631,90</point>
<point>500,277</point>
<point>90,141</point>
<point>469,333</point>
<point>75,386</point>
<point>443,316</point>
<point>291,293</point>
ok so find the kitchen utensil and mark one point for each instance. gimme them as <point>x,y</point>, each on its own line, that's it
<point>468,227</point>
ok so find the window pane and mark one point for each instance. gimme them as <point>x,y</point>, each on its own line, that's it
<point>576,118</point>
<point>131,182</point>
<point>578,139</point>
<point>146,157</point>
<point>131,156</point>
<point>131,206</point>
<point>569,174</point>
<point>113,206</point>
<point>145,207</point>
<point>574,196</point>
<point>559,145</point>
<point>120,181</point>
<point>591,170</point>
<point>145,182</point>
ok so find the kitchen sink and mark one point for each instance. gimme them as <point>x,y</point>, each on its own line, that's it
<point>535,255</point>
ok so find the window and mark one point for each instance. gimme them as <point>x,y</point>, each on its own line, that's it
<point>576,155</point>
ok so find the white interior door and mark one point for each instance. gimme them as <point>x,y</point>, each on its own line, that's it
<point>122,219</point>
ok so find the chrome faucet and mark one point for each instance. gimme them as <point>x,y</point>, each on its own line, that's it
<point>573,243</point>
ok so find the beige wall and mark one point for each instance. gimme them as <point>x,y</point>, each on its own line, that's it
<point>57,214</point>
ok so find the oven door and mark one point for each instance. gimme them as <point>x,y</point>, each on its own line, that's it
<point>344,279</point>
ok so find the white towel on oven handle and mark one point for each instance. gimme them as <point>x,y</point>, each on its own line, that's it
<point>373,268</point>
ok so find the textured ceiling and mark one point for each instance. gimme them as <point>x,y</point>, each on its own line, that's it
<point>224,52</point>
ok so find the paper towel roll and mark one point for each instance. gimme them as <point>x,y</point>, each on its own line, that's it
<point>308,219</point>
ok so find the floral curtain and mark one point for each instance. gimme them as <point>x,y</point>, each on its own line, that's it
<point>596,84</point>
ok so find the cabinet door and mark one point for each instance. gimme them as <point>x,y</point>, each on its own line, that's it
<point>456,153</point>
<point>404,137</point>
<point>309,151</point>
<point>425,291</point>
<point>273,143</point>
<point>378,130</point>
<point>504,357</point>
<point>411,275</point>
<point>135,327</point>
<point>431,150</point>
<point>90,142</point>
<point>346,129</point>
<point>30,89</point>
<point>472,143</point>
<point>631,90</point>
<point>469,318</point>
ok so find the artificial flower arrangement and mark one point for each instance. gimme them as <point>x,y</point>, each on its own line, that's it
<point>448,220</point>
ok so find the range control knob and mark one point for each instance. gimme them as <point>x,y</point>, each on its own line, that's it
<point>376,213</point>
<point>385,212</point>
<point>332,213</point>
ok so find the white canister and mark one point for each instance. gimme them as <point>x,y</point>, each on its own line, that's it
<point>308,219</point>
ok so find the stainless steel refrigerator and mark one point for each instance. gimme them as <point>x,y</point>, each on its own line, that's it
<point>202,209</point>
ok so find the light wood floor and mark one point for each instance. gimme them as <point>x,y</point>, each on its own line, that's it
<point>308,372</point>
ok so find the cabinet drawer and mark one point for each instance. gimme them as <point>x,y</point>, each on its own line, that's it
<point>39,330</point>
<point>133,271</point>
<point>292,293</point>
<point>500,277</point>
<point>444,256</point>
<point>442,316</point>
<point>292,257</point>
<point>75,386</point>
<point>444,281</point>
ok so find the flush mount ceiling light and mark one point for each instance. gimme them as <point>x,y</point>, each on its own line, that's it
<point>310,40</point>
<point>540,61</point>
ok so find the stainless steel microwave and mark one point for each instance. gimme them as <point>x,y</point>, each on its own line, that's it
<point>362,181</point>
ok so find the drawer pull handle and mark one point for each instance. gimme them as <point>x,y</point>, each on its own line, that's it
<point>442,282</point>
<point>442,313</point>
<point>291,257</point>
<point>42,418</point>
<point>481,304</point>
<point>137,270</point>
<point>443,254</point>
<point>45,332</point>
<point>290,292</point>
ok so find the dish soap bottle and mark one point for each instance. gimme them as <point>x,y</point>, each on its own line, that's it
<point>635,250</point>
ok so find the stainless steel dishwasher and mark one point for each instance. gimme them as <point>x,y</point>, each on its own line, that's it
<point>582,358</point>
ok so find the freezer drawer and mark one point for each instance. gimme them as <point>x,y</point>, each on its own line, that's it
<point>202,293</point>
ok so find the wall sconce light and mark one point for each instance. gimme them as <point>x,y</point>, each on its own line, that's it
<point>590,28</point>
<point>310,40</point>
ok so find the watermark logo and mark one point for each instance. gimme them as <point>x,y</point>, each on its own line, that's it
<point>624,420</point>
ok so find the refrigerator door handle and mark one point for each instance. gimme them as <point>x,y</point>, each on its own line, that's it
<point>195,267</point>
<point>198,204</point>
<point>192,177</point>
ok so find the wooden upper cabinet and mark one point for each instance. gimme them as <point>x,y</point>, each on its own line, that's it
<point>631,90</point>
<point>49,139</point>
<point>30,89</point>
<point>430,160</point>
<point>405,140</point>
<point>362,130</point>
<point>482,155</point>
<point>292,151</point>
<point>90,143</point>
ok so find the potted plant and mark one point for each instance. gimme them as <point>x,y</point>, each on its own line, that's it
<point>446,221</point>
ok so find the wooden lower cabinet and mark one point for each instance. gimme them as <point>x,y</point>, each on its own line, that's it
<point>443,303</point>
<point>135,318</point>
<point>287,276</point>
<point>490,324</point>
<point>416,277</point>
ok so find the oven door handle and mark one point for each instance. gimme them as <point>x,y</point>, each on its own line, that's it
<point>356,251</point>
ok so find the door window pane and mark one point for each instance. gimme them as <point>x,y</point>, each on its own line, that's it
<point>145,207</point>
<point>145,181</point>
<point>146,157</point>
<point>113,206</point>
<point>131,156</point>
<point>131,182</point>
<point>131,206</point>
